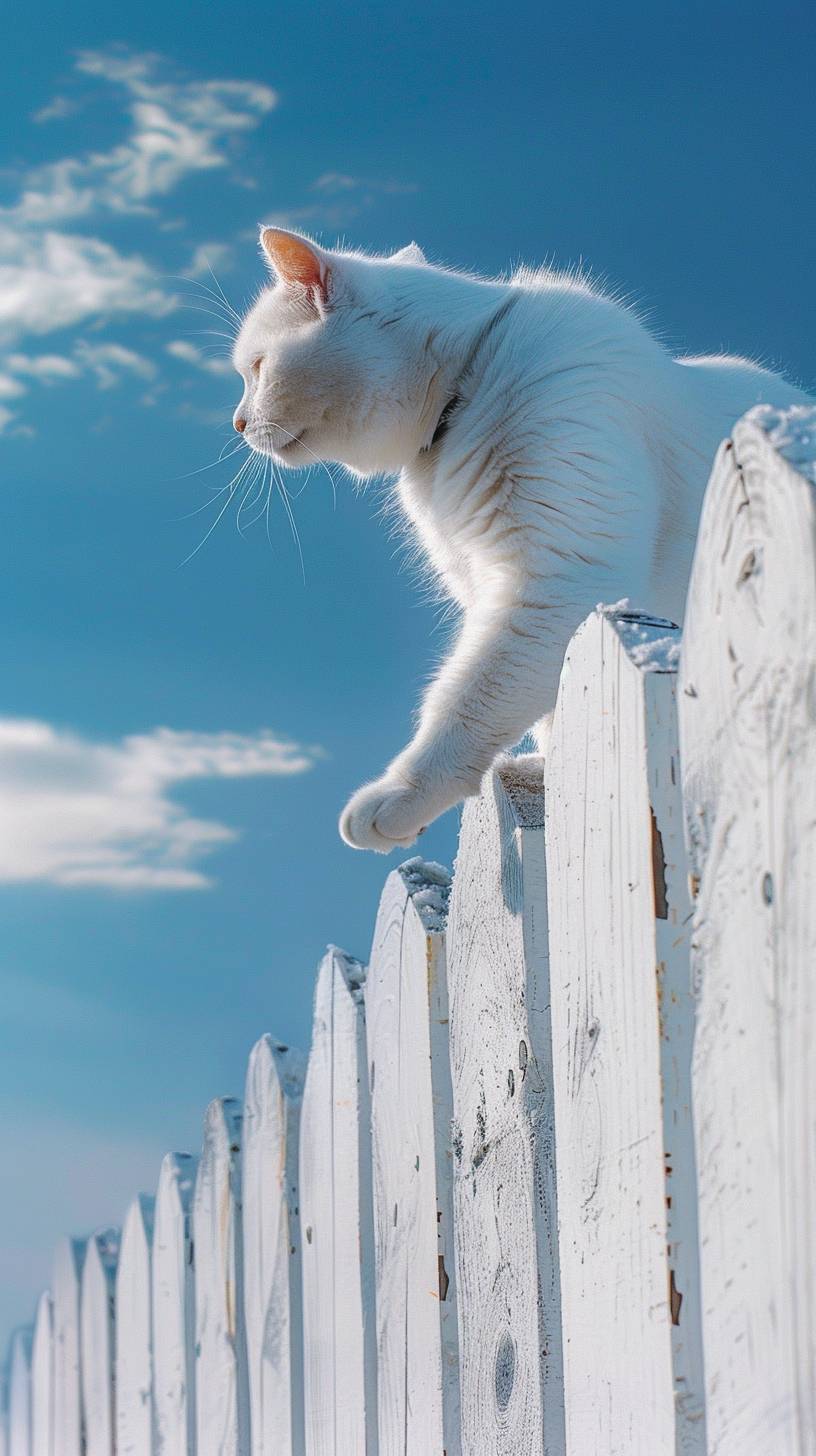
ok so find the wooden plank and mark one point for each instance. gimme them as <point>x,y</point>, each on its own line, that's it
<point>174,1308</point>
<point>222,1397</point>
<point>97,1335</point>
<point>42,1380</point>
<point>504,1179</point>
<point>406,1000</point>
<point>19,1394</point>
<point>272,1252</point>
<point>134,1336</point>
<point>65,1286</point>
<point>339,1329</point>
<point>623,1017</point>
<point>748,709</point>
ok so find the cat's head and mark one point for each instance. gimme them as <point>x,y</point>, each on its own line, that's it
<point>331,358</point>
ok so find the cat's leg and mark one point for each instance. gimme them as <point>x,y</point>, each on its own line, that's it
<point>501,677</point>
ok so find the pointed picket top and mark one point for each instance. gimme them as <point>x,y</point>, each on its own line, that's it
<point>622,1037</point>
<point>134,1334</point>
<point>340,1357</point>
<point>272,1250</point>
<point>65,1291</point>
<point>174,1307</point>
<point>747,713</point>
<point>97,1339</point>
<point>502,1131</point>
<point>18,1428</point>
<point>407,1022</point>
<point>222,1400</point>
<point>429,887</point>
<point>42,1379</point>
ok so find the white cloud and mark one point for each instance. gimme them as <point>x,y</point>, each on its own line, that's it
<point>45,368</point>
<point>334,183</point>
<point>176,128</point>
<point>207,257</point>
<point>56,110</point>
<point>52,280</point>
<point>10,388</point>
<point>107,362</point>
<point>78,813</point>
<point>190,354</point>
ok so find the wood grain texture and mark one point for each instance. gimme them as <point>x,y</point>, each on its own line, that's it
<point>97,1341</point>
<point>748,719</point>
<point>65,1285</point>
<point>504,1176</point>
<point>134,1332</point>
<point>272,1251</point>
<point>173,1310</point>
<point>406,997</point>
<point>42,1379</point>
<point>339,1328</point>
<point>222,1395</point>
<point>622,1014</point>
<point>19,1394</point>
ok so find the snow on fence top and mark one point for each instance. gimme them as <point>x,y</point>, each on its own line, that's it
<point>545,1182</point>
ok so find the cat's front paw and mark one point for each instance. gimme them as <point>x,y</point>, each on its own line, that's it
<point>385,815</point>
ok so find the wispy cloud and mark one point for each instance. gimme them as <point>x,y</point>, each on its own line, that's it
<point>56,272</point>
<point>107,362</point>
<point>78,813</point>
<point>190,354</point>
<point>175,128</point>
<point>51,280</point>
<point>333,183</point>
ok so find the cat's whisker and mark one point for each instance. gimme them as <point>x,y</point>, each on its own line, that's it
<point>287,505</point>
<point>217,298</point>
<point>316,459</point>
<point>226,454</point>
<point>228,306</point>
<point>231,489</point>
<point>255,484</point>
<point>198,308</point>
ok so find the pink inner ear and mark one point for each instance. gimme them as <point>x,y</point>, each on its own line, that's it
<point>292,258</point>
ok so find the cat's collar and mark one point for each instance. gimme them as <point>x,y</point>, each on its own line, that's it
<point>443,423</point>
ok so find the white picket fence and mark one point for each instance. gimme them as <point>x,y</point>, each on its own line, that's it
<point>546,1182</point>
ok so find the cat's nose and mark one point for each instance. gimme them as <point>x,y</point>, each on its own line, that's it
<point>240,425</point>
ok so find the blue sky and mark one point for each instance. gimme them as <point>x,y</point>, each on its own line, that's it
<point>177,737</point>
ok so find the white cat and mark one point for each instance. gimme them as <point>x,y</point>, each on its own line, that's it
<point>550,454</point>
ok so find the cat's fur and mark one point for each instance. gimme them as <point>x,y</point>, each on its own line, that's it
<point>550,454</point>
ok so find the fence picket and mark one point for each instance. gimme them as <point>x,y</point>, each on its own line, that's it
<point>272,1251</point>
<point>406,1000</point>
<point>481,1218</point>
<point>748,708</point>
<point>42,1379</point>
<point>134,1353</point>
<point>174,1308</point>
<point>340,1371</point>
<point>68,1431</point>
<point>622,1034</point>
<point>19,1394</point>
<point>222,1403</point>
<point>97,1335</point>
<point>504,1180</point>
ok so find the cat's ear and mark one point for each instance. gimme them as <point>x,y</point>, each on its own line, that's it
<point>411,254</point>
<point>296,259</point>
